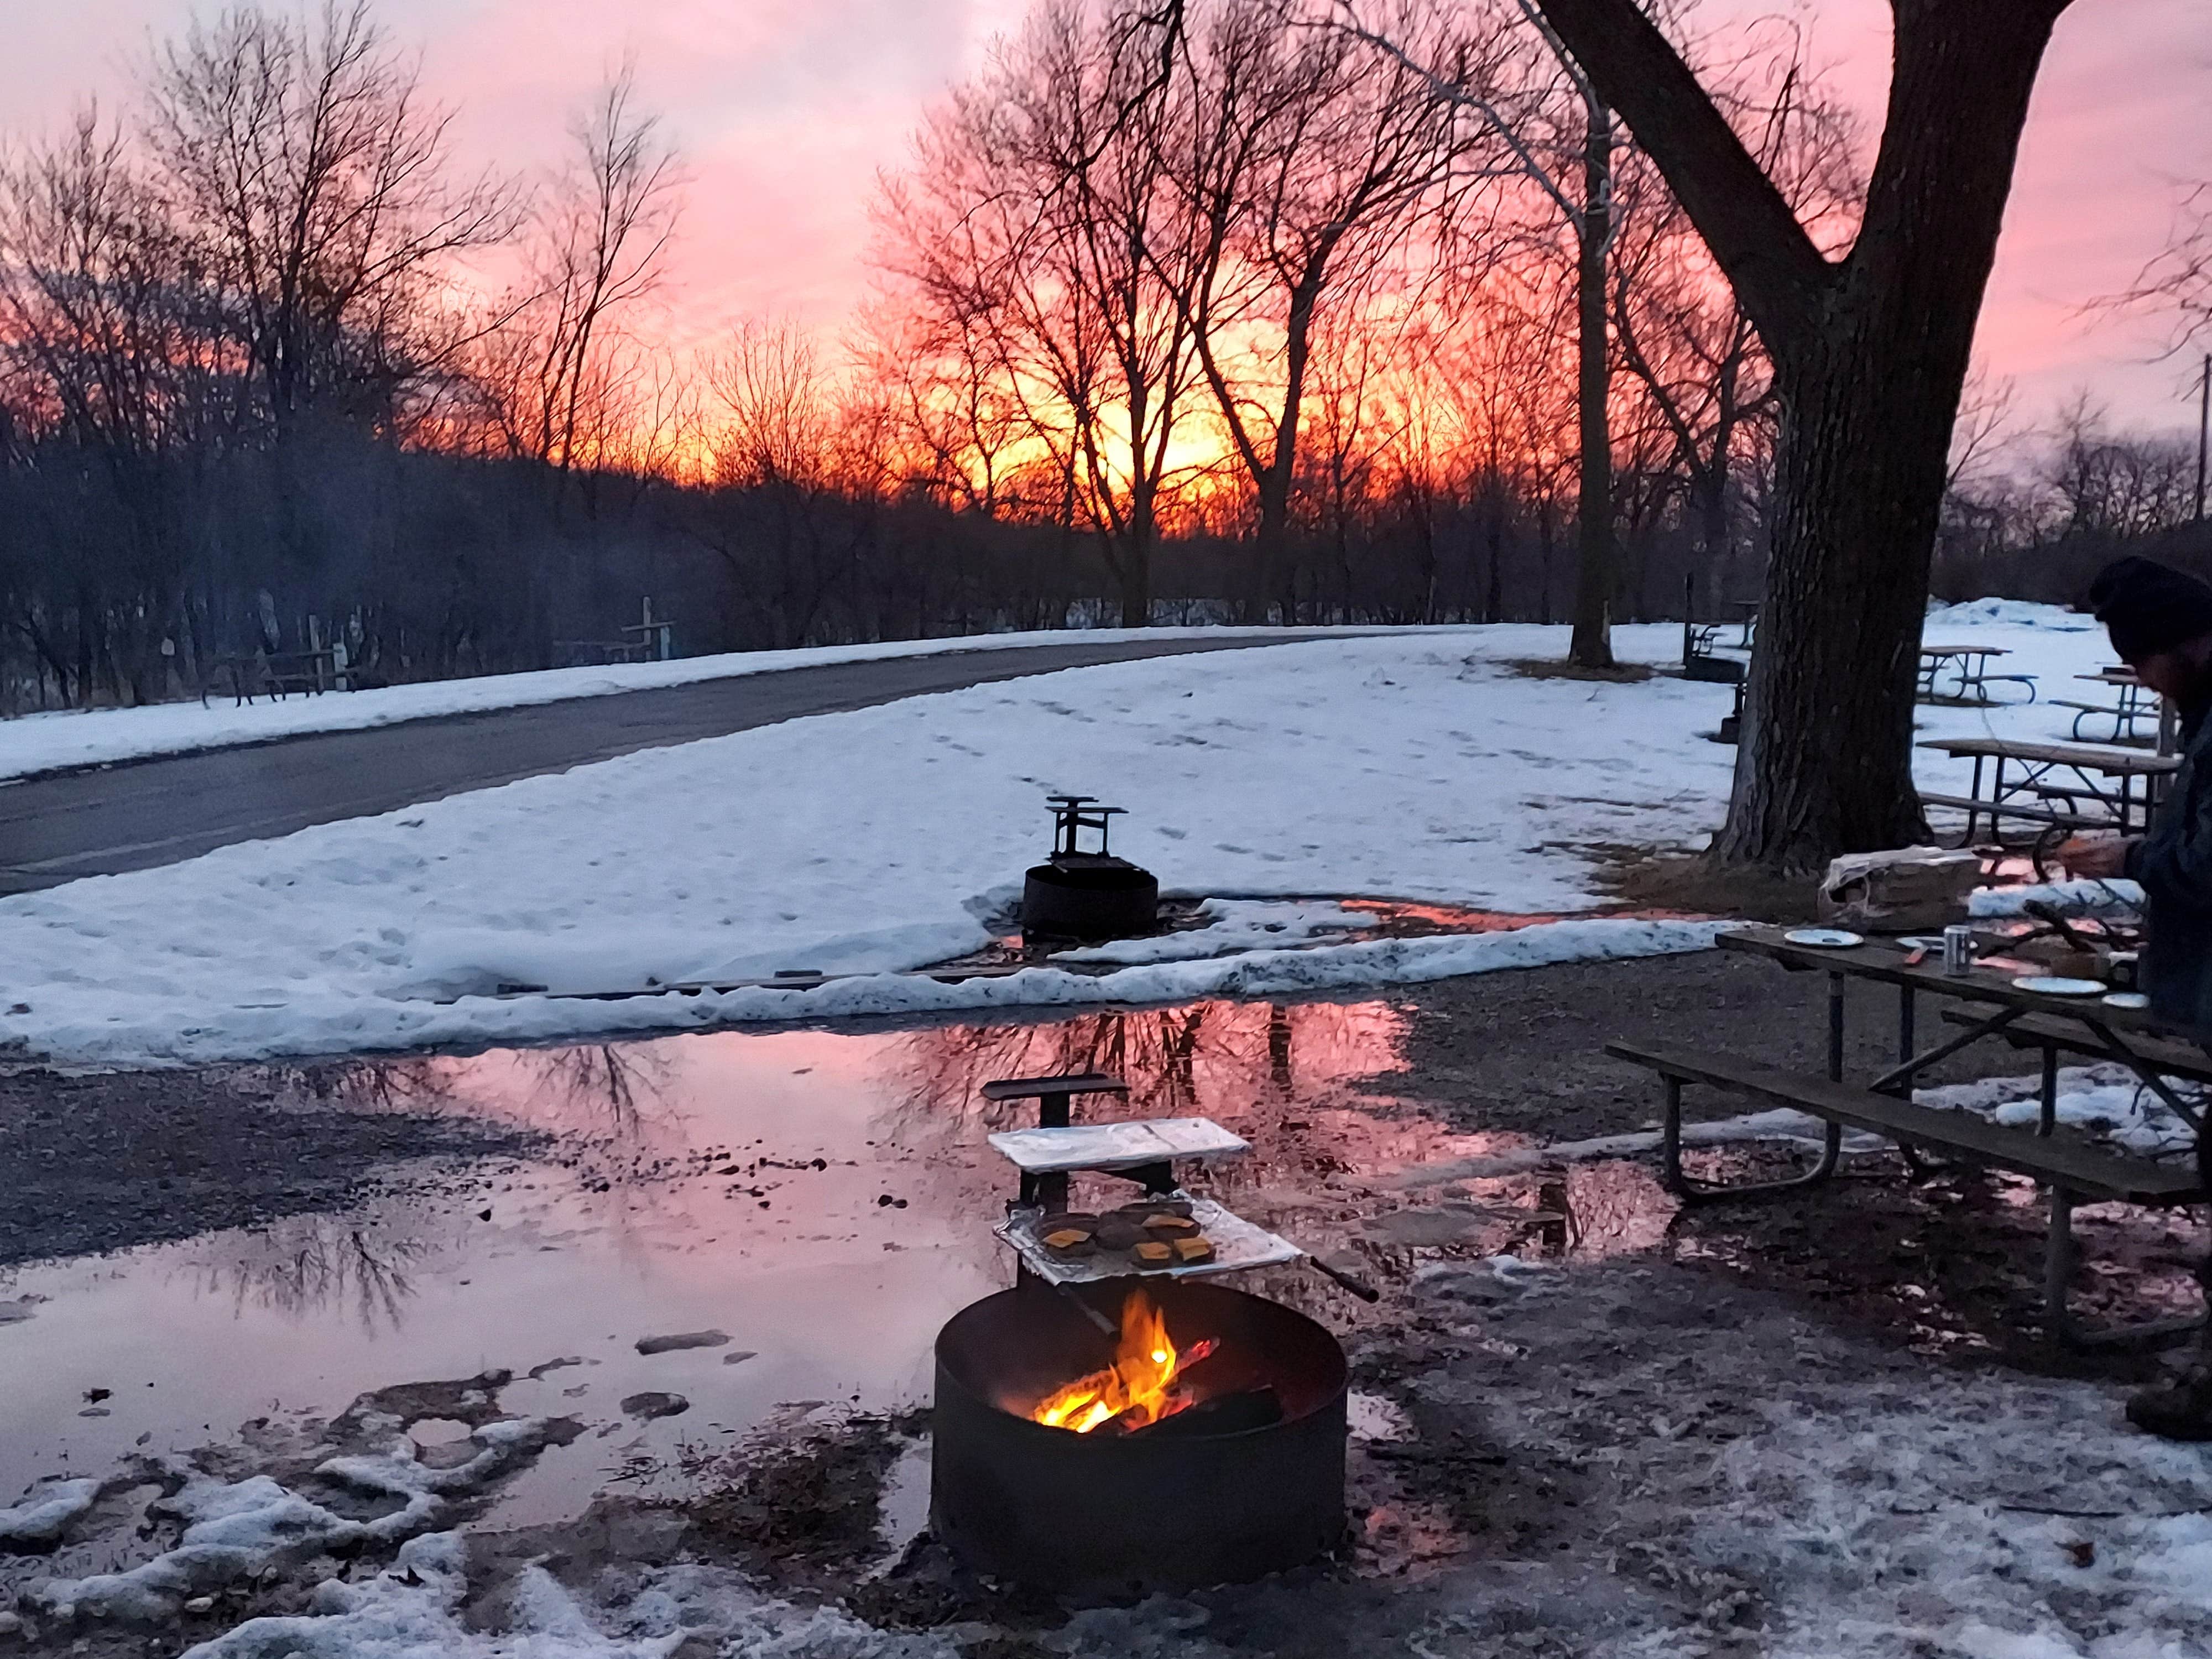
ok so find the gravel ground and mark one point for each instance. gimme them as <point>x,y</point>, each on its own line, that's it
<point>92,1163</point>
<point>1526,1051</point>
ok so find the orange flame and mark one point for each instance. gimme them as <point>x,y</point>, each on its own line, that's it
<point>1138,1388</point>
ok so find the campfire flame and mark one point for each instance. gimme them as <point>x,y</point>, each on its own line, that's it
<point>1138,1389</point>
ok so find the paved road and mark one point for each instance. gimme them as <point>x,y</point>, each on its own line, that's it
<point>139,813</point>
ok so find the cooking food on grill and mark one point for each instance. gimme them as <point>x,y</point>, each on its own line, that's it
<point>1153,1253</point>
<point>1139,1208</point>
<point>1119,1232</point>
<point>1169,1226</point>
<point>1191,1251</point>
<point>1069,1241</point>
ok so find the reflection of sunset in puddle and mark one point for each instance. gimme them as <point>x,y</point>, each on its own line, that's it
<point>824,1199</point>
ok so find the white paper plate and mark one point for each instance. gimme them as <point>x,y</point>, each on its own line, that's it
<point>1828,938</point>
<point>2043,985</point>
<point>1920,942</point>
<point>2126,999</point>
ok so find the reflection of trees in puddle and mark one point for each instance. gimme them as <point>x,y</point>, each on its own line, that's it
<point>1223,1059</point>
<point>613,1094</point>
<point>1286,1077</point>
<point>307,1264</point>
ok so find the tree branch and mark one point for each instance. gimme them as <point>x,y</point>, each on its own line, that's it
<point>1776,270</point>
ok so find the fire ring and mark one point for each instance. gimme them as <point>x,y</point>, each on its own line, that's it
<point>1246,1479</point>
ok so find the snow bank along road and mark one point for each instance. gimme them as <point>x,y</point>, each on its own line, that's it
<point>159,809</point>
<point>873,841</point>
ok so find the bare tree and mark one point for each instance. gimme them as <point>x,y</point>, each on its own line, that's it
<point>1305,173</point>
<point>557,372</point>
<point>1041,212</point>
<point>1576,178</point>
<point>315,182</point>
<point>1680,330</point>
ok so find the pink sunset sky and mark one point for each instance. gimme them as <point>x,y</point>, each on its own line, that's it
<point>785,110</point>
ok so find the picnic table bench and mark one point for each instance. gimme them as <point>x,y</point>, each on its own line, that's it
<point>2093,768</point>
<point>2072,1171</point>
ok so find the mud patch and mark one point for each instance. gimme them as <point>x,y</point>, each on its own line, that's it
<point>809,1509</point>
<point>102,1161</point>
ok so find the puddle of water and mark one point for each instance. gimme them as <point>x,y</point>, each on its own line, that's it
<point>823,1200</point>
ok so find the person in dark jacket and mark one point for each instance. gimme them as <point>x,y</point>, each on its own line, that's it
<point>2161,623</point>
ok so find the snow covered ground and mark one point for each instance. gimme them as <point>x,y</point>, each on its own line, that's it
<point>1417,766</point>
<point>44,742</point>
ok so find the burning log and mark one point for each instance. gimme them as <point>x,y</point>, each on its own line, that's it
<point>1223,1413</point>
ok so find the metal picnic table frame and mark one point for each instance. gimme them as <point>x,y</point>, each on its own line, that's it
<point>2037,762</point>
<point>2137,702</point>
<point>1969,667</point>
<point>1884,961</point>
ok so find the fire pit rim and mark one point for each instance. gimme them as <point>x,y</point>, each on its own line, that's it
<point>1334,1386</point>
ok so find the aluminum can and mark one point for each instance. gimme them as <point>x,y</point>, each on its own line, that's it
<point>1958,948</point>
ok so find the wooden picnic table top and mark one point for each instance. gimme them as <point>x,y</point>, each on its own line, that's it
<point>2091,757</point>
<point>1883,960</point>
<point>1965,651</point>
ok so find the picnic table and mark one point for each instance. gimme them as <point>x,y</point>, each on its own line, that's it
<point>278,674</point>
<point>1746,616</point>
<point>1968,665</point>
<point>1987,1003</point>
<point>2137,701</point>
<point>2101,793</point>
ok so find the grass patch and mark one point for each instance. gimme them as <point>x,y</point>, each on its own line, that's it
<point>1535,668</point>
<point>1692,882</point>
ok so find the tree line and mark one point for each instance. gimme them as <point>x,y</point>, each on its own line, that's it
<point>1236,319</point>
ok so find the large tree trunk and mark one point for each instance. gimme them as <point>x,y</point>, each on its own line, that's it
<point>1871,355</point>
<point>1825,760</point>
<point>1591,646</point>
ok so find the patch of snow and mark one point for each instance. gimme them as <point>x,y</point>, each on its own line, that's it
<point>41,1518</point>
<point>2115,897</point>
<point>2105,1099</point>
<point>233,1530</point>
<point>1885,1521</point>
<point>31,743</point>
<point>1234,925</point>
<point>1418,767</point>
<point>1411,768</point>
<point>2012,613</point>
<point>414,1611</point>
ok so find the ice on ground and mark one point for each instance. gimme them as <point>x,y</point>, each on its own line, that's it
<point>2105,1099</point>
<point>236,1529</point>
<point>1773,1124</point>
<point>41,1518</point>
<point>31,743</point>
<point>414,1611</point>
<point>1232,925</point>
